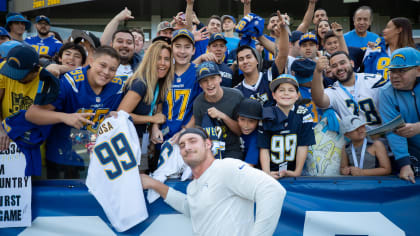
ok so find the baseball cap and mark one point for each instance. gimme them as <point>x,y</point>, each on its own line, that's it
<point>308,37</point>
<point>206,69</point>
<point>42,17</point>
<point>3,32</point>
<point>228,16</point>
<point>183,33</point>
<point>162,38</point>
<point>284,78</point>
<point>78,35</point>
<point>404,57</point>
<point>21,60</point>
<point>303,70</point>
<point>164,25</point>
<point>16,17</point>
<point>350,123</point>
<point>217,36</point>
<point>7,46</point>
<point>295,36</point>
<point>250,108</point>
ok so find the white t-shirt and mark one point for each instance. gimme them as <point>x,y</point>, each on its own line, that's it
<point>365,92</point>
<point>221,201</point>
<point>113,176</point>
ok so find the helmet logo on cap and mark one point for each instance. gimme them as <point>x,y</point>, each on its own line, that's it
<point>202,70</point>
<point>15,60</point>
<point>399,55</point>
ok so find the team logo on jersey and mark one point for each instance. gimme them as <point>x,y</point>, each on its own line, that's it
<point>301,110</point>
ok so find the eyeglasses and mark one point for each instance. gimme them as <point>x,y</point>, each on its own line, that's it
<point>401,70</point>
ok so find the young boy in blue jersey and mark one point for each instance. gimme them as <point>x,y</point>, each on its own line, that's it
<point>256,84</point>
<point>249,114</point>
<point>216,52</point>
<point>86,96</point>
<point>44,44</point>
<point>178,106</point>
<point>287,131</point>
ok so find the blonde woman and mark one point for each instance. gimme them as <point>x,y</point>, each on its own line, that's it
<point>146,88</point>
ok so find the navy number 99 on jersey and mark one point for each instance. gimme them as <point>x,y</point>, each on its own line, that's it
<point>114,153</point>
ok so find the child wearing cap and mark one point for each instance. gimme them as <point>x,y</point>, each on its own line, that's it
<point>249,115</point>
<point>287,131</point>
<point>362,156</point>
<point>214,110</point>
<point>308,45</point>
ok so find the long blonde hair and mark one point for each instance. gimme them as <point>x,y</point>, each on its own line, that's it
<point>147,72</point>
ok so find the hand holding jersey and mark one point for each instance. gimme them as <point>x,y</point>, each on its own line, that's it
<point>209,194</point>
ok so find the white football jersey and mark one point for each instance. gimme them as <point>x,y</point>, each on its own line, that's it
<point>170,165</point>
<point>113,176</point>
<point>365,92</point>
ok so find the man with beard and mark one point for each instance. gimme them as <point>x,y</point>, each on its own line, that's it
<point>123,41</point>
<point>352,93</point>
<point>44,44</point>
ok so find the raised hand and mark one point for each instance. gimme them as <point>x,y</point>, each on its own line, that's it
<point>322,64</point>
<point>125,15</point>
<point>337,29</point>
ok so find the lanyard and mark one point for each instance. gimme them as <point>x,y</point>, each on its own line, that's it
<point>356,105</point>
<point>155,96</point>
<point>362,155</point>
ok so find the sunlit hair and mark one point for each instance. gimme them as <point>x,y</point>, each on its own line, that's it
<point>405,37</point>
<point>147,72</point>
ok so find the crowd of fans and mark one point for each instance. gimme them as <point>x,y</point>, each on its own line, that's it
<point>258,96</point>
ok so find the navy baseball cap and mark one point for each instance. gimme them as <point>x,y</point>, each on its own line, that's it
<point>183,33</point>
<point>308,37</point>
<point>295,36</point>
<point>16,17</point>
<point>303,69</point>
<point>284,78</point>
<point>217,36</point>
<point>206,69</point>
<point>21,60</point>
<point>3,32</point>
<point>229,17</point>
<point>42,17</point>
<point>404,57</point>
<point>250,108</point>
<point>162,38</point>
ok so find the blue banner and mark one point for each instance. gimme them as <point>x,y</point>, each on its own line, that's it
<point>313,206</point>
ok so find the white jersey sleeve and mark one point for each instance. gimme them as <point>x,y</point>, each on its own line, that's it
<point>170,165</point>
<point>365,92</point>
<point>113,177</point>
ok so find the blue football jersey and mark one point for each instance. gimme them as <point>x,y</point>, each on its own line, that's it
<point>261,90</point>
<point>178,106</point>
<point>376,60</point>
<point>282,135</point>
<point>316,113</point>
<point>226,74</point>
<point>48,46</point>
<point>268,56</point>
<point>76,95</point>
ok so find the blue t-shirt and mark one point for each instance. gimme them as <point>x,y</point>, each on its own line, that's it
<point>139,86</point>
<point>283,134</point>
<point>76,95</point>
<point>261,90</point>
<point>354,40</point>
<point>178,106</point>
<point>232,43</point>
<point>250,147</point>
<point>48,46</point>
<point>226,74</point>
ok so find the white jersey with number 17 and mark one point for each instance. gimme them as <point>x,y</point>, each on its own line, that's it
<point>113,177</point>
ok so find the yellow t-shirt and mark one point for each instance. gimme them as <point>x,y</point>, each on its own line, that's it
<point>17,96</point>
